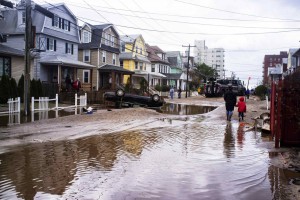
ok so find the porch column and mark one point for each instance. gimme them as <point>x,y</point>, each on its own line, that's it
<point>113,81</point>
<point>58,77</point>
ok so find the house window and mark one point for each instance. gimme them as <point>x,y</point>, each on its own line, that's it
<point>55,21</point>
<point>112,41</point>
<point>51,44</point>
<point>5,66</point>
<point>106,38</point>
<point>69,48</point>
<point>123,47</point>
<point>141,66</point>
<point>136,65</point>
<point>136,49</point>
<point>86,76</point>
<point>114,59</point>
<point>141,51</point>
<point>86,37</point>
<point>152,68</point>
<point>23,17</point>
<point>66,25</point>
<point>104,56</point>
<point>121,63</point>
<point>86,55</point>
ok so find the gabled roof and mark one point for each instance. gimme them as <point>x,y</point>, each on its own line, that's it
<point>97,31</point>
<point>130,38</point>
<point>54,6</point>
<point>156,49</point>
<point>152,56</point>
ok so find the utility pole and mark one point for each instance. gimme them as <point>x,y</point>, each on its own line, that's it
<point>28,38</point>
<point>187,87</point>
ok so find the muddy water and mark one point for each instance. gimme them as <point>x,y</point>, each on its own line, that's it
<point>183,109</point>
<point>186,161</point>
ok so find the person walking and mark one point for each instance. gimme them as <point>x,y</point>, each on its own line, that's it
<point>241,108</point>
<point>230,102</point>
<point>172,92</point>
<point>179,93</point>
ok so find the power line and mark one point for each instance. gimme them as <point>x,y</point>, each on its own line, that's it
<point>232,12</point>
<point>195,23</point>
<point>198,33</point>
<point>187,16</point>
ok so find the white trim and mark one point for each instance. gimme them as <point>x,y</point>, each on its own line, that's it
<point>89,76</point>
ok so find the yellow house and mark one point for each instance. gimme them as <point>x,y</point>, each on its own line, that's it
<point>133,57</point>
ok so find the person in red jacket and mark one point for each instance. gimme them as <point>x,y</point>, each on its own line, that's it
<point>241,108</point>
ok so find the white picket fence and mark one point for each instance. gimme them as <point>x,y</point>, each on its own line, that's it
<point>43,103</point>
<point>14,106</point>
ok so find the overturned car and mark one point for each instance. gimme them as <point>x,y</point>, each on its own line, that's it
<point>124,99</point>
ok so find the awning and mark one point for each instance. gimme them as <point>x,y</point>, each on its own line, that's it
<point>60,60</point>
<point>114,68</point>
<point>145,74</point>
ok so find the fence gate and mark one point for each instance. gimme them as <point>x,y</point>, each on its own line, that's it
<point>290,110</point>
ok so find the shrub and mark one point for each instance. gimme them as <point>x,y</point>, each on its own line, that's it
<point>4,89</point>
<point>21,88</point>
<point>158,87</point>
<point>261,91</point>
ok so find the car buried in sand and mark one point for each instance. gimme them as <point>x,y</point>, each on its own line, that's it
<point>125,99</point>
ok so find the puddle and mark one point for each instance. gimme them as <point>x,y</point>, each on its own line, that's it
<point>20,118</point>
<point>189,161</point>
<point>182,109</point>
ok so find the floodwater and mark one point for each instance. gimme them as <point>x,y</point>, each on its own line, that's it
<point>20,118</point>
<point>188,160</point>
<point>183,109</point>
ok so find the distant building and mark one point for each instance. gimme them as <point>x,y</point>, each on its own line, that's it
<point>213,57</point>
<point>271,61</point>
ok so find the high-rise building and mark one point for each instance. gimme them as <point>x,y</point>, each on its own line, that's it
<point>213,57</point>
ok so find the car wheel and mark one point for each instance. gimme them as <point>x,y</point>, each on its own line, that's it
<point>120,93</point>
<point>155,97</point>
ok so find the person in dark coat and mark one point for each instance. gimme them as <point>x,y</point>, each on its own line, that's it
<point>230,102</point>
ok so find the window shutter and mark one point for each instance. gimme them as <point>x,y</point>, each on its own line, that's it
<point>69,27</point>
<point>59,25</point>
<point>47,43</point>
<point>66,47</point>
<point>53,21</point>
<point>54,45</point>
<point>72,49</point>
<point>63,24</point>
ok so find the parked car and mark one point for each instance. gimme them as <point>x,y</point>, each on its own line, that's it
<point>121,98</point>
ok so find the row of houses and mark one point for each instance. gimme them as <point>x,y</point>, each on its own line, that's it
<point>96,54</point>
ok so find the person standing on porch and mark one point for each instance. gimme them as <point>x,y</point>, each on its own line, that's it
<point>77,85</point>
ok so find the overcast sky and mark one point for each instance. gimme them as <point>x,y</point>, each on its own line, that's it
<point>246,29</point>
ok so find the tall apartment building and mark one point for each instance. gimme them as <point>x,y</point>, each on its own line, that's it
<point>272,61</point>
<point>213,57</point>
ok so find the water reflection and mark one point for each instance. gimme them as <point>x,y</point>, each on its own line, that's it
<point>177,162</point>
<point>229,142</point>
<point>182,109</point>
<point>20,118</point>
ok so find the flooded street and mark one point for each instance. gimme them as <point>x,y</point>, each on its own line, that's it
<point>179,159</point>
